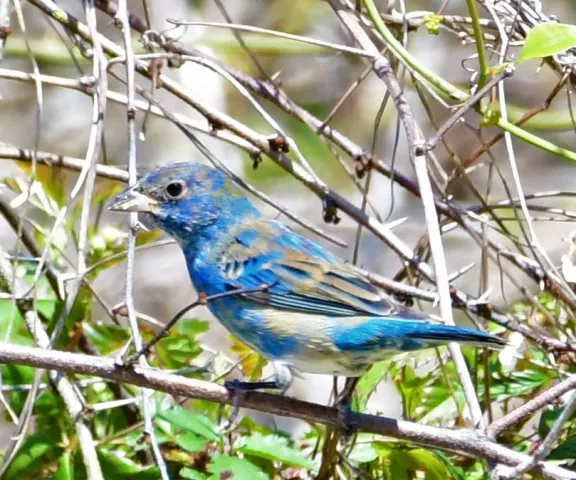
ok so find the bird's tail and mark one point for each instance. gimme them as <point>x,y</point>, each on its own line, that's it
<point>406,335</point>
<point>438,333</point>
<point>447,333</point>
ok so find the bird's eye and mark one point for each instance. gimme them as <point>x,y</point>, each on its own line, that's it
<point>175,190</point>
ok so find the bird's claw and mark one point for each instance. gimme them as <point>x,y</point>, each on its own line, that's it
<point>346,424</point>
<point>237,395</point>
<point>237,390</point>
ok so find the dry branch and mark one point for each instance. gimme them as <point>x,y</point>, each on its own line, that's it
<point>463,441</point>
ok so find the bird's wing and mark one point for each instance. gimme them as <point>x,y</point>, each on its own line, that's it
<point>298,274</point>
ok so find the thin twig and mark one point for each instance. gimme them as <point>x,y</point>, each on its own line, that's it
<point>532,239</point>
<point>275,33</point>
<point>545,447</point>
<point>87,176</point>
<point>465,107</point>
<point>542,400</point>
<point>146,394</point>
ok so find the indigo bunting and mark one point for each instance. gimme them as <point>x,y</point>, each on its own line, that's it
<point>299,304</point>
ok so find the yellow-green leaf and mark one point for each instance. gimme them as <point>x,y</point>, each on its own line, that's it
<point>251,362</point>
<point>548,39</point>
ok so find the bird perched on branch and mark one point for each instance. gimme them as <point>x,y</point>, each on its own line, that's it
<point>289,298</point>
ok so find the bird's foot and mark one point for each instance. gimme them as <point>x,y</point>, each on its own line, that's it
<point>237,390</point>
<point>281,381</point>
<point>239,385</point>
<point>346,423</point>
<point>237,395</point>
<point>344,406</point>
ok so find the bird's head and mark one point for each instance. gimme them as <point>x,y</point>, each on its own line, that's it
<point>184,198</point>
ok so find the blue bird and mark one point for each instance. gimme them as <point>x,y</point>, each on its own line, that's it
<point>300,305</point>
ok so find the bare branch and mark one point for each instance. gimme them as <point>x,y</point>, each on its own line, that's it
<point>465,442</point>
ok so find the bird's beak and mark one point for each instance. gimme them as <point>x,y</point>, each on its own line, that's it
<point>132,201</point>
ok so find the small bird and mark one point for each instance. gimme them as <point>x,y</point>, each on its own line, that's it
<point>290,299</point>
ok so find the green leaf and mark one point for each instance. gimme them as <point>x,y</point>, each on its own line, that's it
<point>193,327</point>
<point>547,420</point>
<point>383,449</point>
<point>403,463</point>
<point>234,468</point>
<point>107,337</point>
<point>17,374</point>
<point>275,447</point>
<point>53,181</point>
<point>104,190</point>
<point>65,467</point>
<point>31,456</point>
<point>251,362</point>
<point>440,407</point>
<point>521,383</point>
<point>191,443</point>
<point>456,472</point>
<point>190,474</point>
<point>80,312</point>
<point>193,422</point>
<point>363,452</point>
<point>428,462</point>
<point>548,39</point>
<point>10,317</point>
<point>116,465</point>
<point>399,465</point>
<point>176,351</point>
<point>368,383</point>
<point>565,450</point>
<point>248,424</point>
<point>144,237</point>
<point>425,395</point>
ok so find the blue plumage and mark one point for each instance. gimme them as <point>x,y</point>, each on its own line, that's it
<point>301,304</point>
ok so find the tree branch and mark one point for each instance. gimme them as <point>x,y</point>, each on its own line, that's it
<point>547,397</point>
<point>464,441</point>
